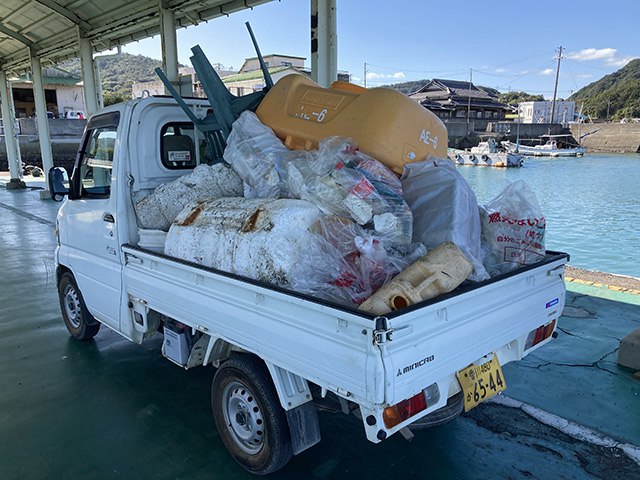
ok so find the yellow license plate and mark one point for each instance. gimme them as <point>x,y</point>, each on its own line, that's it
<point>480,382</point>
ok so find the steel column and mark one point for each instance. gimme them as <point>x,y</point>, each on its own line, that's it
<point>88,75</point>
<point>324,42</point>
<point>169,44</point>
<point>41,115</point>
<point>10,138</point>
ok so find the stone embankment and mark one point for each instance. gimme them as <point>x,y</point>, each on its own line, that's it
<point>609,137</point>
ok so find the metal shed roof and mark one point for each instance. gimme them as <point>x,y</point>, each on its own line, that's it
<point>51,27</point>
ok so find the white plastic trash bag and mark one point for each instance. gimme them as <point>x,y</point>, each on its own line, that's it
<point>513,229</point>
<point>445,209</point>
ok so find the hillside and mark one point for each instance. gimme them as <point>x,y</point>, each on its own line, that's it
<point>118,74</point>
<point>618,92</point>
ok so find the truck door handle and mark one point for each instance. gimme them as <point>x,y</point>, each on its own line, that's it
<point>107,217</point>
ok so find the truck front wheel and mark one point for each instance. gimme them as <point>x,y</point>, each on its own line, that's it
<point>76,317</point>
<point>250,420</point>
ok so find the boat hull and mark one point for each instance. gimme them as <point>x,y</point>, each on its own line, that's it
<point>543,150</point>
<point>499,160</point>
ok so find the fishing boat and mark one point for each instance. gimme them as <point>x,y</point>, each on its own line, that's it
<point>486,154</point>
<point>555,146</point>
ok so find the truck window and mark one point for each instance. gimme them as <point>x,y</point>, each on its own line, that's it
<point>183,146</point>
<point>178,145</point>
<point>96,163</point>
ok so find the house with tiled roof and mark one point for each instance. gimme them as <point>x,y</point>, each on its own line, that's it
<point>452,99</point>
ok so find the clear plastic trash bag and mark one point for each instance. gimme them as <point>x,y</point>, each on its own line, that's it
<point>346,263</point>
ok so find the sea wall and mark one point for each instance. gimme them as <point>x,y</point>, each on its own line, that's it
<point>64,151</point>
<point>609,137</point>
<point>58,127</point>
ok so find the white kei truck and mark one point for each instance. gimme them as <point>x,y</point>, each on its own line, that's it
<point>279,355</point>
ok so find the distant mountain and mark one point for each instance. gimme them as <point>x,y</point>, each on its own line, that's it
<point>514,98</point>
<point>618,92</point>
<point>119,73</point>
<point>408,87</point>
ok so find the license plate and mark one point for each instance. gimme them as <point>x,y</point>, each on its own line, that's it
<point>480,382</point>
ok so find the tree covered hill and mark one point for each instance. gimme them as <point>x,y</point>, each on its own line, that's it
<point>119,73</point>
<point>618,93</point>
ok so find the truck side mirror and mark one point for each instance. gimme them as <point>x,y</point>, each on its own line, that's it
<point>58,183</point>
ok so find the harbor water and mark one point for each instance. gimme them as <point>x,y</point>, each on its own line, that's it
<point>591,204</point>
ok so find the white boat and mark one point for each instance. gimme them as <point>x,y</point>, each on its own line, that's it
<point>486,154</point>
<point>552,148</point>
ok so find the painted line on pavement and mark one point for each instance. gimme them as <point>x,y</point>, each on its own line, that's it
<point>602,285</point>
<point>27,215</point>
<point>575,430</point>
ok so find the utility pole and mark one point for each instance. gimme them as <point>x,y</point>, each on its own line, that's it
<point>555,89</point>
<point>469,101</point>
<point>365,74</point>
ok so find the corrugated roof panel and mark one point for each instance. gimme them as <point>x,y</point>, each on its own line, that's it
<point>51,26</point>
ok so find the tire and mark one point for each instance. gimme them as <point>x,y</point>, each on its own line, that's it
<point>77,318</point>
<point>451,411</point>
<point>248,415</point>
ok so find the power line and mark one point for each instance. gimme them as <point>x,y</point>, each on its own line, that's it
<point>590,66</point>
<point>535,70</point>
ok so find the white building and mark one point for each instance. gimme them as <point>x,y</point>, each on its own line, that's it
<point>62,90</point>
<point>540,112</point>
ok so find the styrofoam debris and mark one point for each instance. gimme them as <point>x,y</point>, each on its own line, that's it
<point>385,223</point>
<point>360,210</point>
<point>253,237</point>
<point>158,210</point>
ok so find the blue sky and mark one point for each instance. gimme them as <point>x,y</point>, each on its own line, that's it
<point>507,45</point>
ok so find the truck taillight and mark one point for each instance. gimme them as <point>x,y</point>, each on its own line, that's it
<point>540,334</point>
<point>398,413</point>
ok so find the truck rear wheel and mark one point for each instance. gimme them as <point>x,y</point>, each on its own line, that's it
<point>250,420</point>
<point>76,317</point>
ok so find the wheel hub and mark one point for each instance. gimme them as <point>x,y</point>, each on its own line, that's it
<point>72,306</point>
<point>243,417</point>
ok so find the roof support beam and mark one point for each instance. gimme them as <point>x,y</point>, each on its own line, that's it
<point>10,137</point>
<point>42,120</point>
<point>66,13</point>
<point>88,75</point>
<point>324,42</point>
<point>17,36</point>
<point>169,41</point>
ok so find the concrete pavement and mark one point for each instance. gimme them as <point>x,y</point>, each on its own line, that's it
<point>110,409</point>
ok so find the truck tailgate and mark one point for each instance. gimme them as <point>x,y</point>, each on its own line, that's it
<point>428,344</point>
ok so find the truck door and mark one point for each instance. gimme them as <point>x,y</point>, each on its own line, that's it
<point>94,252</point>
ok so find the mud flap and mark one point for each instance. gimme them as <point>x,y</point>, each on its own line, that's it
<point>304,427</point>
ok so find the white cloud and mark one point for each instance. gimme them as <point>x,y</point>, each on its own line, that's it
<point>593,54</point>
<point>585,75</point>
<point>381,77</point>
<point>620,61</point>
<point>547,71</point>
<point>608,55</point>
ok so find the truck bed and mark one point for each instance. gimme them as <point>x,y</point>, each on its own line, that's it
<point>373,361</point>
